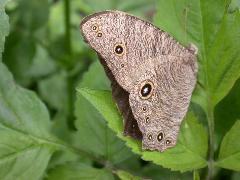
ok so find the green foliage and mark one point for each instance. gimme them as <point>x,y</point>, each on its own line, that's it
<point>156,172</point>
<point>123,175</point>
<point>78,171</point>
<point>94,135</point>
<point>4,24</point>
<point>216,33</point>
<point>38,67</point>
<point>227,111</point>
<point>229,154</point>
<point>131,6</point>
<point>21,45</point>
<point>77,133</point>
<point>25,131</point>
<point>214,27</point>
<point>189,153</point>
<point>48,88</point>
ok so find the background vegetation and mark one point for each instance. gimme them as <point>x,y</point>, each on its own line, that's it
<point>57,118</point>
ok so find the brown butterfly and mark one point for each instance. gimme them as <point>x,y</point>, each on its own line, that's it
<point>152,75</point>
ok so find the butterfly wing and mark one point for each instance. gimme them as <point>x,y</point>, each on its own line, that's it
<point>127,47</point>
<point>124,42</point>
<point>160,99</point>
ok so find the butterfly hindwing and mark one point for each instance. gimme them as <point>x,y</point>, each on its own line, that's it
<point>160,98</point>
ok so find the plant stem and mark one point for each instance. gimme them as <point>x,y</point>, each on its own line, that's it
<point>210,118</point>
<point>69,55</point>
<point>67,26</point>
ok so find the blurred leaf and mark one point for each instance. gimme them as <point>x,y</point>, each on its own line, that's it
<point>42,64</point>
<point>132,164</point>
<point>64,157</point>
<point>140,8</point>
<point>57,48</point>
<point>60,127</point>
<point>189,153</point>
<point>25,131</point>
<point>78,171</point>
<point>4,26</point>
<point>123,175</point>
<point>224,59</point>
<point>56,20</point>
<point>235,176</point>
<point>217,35</point>
<point>18,55</point>
<point>196,175</point>
<point>229,155</point>
<point>95,78</point>
<point>54,91</point>
<point>198,112</point>
<point>228,110</point>
<point>93,133</point>
<point>156,172</point>
<point>29,16</point>
<point>33,14</point>
<point>234,5</point>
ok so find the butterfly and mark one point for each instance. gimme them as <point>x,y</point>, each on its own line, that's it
<point>153,76</point>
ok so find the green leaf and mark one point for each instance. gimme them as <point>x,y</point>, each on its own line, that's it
<point>42,64</point>
<point>123,175</point>
<point>189,153</point>
<point>229,155</point>
<point>21,45</point>
<point>132,164</point>
<point>78,171</point>
<point>22,157</point>
<point>217,35</point>
<point>63,157</point>
<point>228,109</point>
<point>24,131</point>
<point>93,133</point>
<point>139,8</point>
<point>95,78</point>
<point>18,55</point>
<point>234,5</point>
<point>224,59</point>
<point>54,91</point>
<point>236,176</point>
<point>4,26</point>
<point>153,171</point>
<point>60,127</point>
<point>36,15</point>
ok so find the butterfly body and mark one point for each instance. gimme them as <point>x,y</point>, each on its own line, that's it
<point>152,75</point>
